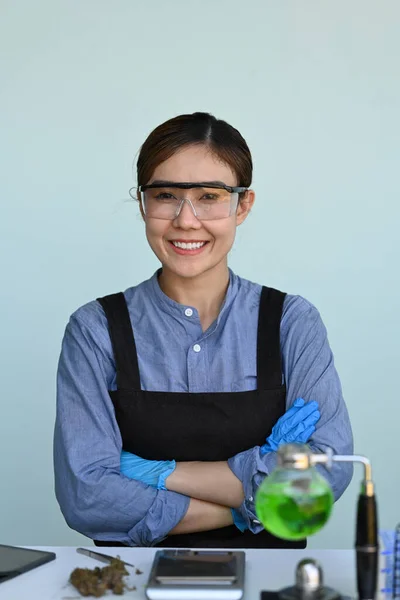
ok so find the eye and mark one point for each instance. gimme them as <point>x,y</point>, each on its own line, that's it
<point>165,197</point>
<point>210,197</point>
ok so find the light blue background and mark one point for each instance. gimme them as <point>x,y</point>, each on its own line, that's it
<point>313,86</point>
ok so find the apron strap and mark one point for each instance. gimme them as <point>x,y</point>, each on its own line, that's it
<point>269,362</point>
<point>122,340</point>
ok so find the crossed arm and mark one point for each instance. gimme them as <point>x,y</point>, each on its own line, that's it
<point>203,516</point>
<point>213,487</point>
<point>100,502</point>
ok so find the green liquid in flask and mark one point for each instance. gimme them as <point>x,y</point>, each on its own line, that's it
<point>293,509</point>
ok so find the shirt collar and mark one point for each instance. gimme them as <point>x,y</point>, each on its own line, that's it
<point>172,307</point>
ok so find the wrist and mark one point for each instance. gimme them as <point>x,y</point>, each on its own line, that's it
<point>166,474</point>
<point>176,478</point>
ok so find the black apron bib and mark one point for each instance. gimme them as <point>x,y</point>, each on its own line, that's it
<point>195,426</point>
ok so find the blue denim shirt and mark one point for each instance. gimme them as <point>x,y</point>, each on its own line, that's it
<point>100,502</point>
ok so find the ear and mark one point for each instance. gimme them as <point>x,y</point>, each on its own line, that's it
<point>244,207</point>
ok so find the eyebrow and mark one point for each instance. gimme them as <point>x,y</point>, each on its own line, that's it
<point>205,183</point>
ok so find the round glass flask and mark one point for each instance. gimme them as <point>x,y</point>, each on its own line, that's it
<point>294,501</point>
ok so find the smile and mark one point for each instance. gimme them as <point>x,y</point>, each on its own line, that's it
<point>188,248</point>
<point>189,245</point>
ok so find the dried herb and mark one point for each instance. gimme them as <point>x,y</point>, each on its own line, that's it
<point>96,582</point>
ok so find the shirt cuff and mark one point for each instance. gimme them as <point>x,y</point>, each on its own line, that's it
<point>251,469</point>
<point>167,510</point>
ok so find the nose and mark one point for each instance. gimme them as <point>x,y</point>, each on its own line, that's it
<point>186,216</point>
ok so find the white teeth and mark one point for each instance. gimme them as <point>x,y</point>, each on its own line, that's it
<point>190,246</point>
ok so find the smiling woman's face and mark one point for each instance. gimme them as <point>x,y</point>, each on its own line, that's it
<point>194,164</point>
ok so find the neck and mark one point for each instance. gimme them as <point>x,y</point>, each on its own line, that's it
<point>206,292</point>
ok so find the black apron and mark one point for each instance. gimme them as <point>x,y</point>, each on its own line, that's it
<point>195,426</point>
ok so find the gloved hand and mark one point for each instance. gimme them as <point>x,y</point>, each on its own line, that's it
<point>296,425</point>
<point>238,520</point>
<point>151,472</point>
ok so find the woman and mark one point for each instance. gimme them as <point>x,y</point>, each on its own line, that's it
<point>174,396</point>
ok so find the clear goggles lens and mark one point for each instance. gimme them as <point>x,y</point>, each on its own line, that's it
<point>207,203</point>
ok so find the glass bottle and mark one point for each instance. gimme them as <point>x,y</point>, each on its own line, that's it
<point>294,501</point>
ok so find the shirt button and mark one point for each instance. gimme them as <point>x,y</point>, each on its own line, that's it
<point>250,498</point>
<point>188,312</point>
<point>197,348</point>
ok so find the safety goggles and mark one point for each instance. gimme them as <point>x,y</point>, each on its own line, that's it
<point>208,201</point>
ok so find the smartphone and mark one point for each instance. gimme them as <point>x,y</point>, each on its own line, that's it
<point>196,575</point>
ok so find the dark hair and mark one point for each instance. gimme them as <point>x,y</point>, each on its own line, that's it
<point>223,140</point>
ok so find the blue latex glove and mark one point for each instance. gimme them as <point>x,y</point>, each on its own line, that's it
<point>296,425</point>
<point>151,472</point>
<point>238,520</point>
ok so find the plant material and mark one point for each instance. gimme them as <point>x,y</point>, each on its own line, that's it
<point>96,582</point>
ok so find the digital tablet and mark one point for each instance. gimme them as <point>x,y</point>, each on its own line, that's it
<point>15,560</point>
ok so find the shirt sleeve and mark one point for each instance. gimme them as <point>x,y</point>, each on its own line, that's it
<point>309,372</point>
<point>94,497</point>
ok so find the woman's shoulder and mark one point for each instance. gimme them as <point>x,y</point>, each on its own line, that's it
<point>298,305</point>
<point>293,303</point>
<point>92,315</point>
<point>297,310</point>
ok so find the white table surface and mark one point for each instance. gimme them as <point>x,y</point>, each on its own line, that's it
<point>265,570</point>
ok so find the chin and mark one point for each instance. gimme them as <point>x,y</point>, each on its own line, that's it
<point>186,273</point>
<point>189,271</point>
